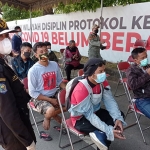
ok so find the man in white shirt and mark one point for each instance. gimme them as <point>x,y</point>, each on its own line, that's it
<point>43,78</point>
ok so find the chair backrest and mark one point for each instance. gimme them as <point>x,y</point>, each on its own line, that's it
<point>25,82</point>
<point>140,43</point>
<point>80,72</point>
<point>130,59</point>
<point>62,50</point>
<point>61,96</point>
<point>122,66</point>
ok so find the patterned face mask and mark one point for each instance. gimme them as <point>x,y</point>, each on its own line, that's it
<point>44,57</point>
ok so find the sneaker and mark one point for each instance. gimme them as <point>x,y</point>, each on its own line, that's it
<point>99,138</point>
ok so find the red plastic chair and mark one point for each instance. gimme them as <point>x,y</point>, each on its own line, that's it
<point>130,59</point>
<point>132,108</point>
<point>122,67</point>
<point>80,72</point>
<point>25,82</point>
<point>67,123</point>
<point>140,43</point>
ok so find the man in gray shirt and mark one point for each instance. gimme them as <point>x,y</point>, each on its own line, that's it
<point>43,78</point>
<point>94,43</point>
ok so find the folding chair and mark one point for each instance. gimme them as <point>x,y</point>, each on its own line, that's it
<point>130,60</point>
<point>132,108</point>
<point>80,72</point>
<point>140,43</point>
<point>122,67</point>
<point>31,107</point>
<point>67,123</point>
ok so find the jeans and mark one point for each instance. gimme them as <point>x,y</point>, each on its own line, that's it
<point>143,104</point>
<point>69,67</point>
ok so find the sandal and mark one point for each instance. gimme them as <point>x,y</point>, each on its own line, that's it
<point>45,136</point>
<point>58,129</point>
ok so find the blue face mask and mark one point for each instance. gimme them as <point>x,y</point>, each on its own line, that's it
<point>144,62</point>
<point>101,77</point>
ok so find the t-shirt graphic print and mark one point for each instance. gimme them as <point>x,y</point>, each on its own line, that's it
<point>49,80</point>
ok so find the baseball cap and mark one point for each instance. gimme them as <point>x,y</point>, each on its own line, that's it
<point>4,28</point>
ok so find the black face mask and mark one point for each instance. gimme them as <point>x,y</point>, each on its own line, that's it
<point>27,54</point>
<point>96,31</point>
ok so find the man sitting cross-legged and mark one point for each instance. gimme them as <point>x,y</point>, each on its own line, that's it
<point>43,78</point>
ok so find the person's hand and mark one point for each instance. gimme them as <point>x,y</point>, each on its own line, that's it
<point>148,70</point>
<point>118,124</point>
<point>118,134</point>
<point>31,147</point>
<point>54,102</point>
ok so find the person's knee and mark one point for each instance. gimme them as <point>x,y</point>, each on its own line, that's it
<point>50,112</point>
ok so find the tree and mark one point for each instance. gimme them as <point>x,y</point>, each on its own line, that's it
<point>12,13</point>
<point>91,5</point>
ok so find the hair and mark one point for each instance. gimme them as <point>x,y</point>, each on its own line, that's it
<point>137,51</point>
<point>71,41</point>
<point>26,44</point>
<point>47,43</point>
<point>38,45</point>
<point>17,27</point>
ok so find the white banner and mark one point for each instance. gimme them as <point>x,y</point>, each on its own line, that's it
<point>121,26</point>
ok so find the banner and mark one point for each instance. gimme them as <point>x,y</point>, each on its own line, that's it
<point>121,26</point>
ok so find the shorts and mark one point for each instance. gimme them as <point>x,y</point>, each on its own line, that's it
<point>42,106</point>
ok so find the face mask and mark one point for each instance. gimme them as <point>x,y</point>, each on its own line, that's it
<point>44,57</point>
<point>101,77</point>
<point>96,31</point>
<point>49,50</point>
<point>20,34</point>
<point>144,62</point>
<point>5,46</point>
<point>27,54</point>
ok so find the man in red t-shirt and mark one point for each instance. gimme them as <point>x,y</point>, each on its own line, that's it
<point>103,125</point>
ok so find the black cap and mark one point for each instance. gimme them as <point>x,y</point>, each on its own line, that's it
<point>91,66</point>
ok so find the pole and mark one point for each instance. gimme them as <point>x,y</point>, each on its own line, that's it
<point>101,17</point>
<point>31,23</point>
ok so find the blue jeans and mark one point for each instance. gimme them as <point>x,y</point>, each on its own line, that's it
<point>143,104</point>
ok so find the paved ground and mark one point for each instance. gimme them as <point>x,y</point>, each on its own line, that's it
<point>133,137</point>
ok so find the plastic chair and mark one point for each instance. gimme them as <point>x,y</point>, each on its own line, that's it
<point>80,72</point>
<point>67,123</point>
<point>140,43</point>
<point>122,67</point>
<point>130,60</point>
<point>132,108</point>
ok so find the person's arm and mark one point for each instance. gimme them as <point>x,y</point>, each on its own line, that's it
<point>10,115</point>
<point>112,106</point>
<point>59,77</point>
<point>93,42</point>
<point>135,81</point>
<point>13,63</point>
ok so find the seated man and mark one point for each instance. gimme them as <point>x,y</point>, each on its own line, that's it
<point>22,63</point>
<point>72,59</point>
<point>138,76</point>
<point>43,78</point>
<point>103,125</point>
<point>51,54</point>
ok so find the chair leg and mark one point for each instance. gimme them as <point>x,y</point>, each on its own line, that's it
<point>34,120</point>
<point>115,94</point>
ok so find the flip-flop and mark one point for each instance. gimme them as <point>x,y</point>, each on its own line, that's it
<point>58,129</point>
<point>45,136</point>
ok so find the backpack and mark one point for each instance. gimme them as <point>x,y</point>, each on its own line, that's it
<point>69,89</point>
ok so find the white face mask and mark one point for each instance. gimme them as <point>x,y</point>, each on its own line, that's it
<point>5,46</point>
<point>20,34</point>
<point>49,50</point>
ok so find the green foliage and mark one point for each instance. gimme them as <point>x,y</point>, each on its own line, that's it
<point>12,13</point>
<point>91,5</point>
